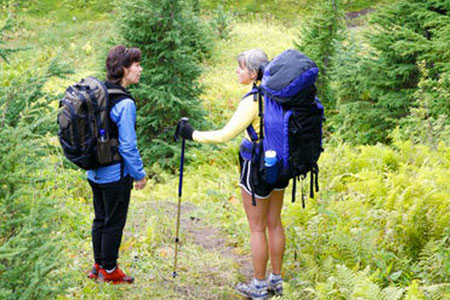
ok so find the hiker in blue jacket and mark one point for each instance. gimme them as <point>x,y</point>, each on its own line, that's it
<point>266,215</point>
<point>111,185</point>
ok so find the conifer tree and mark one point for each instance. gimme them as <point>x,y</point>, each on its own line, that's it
<point>174,41</point>
<point>403,35</point>
<point>317,39</point>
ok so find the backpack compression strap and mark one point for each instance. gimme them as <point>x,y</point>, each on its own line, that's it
<point>261,131</point>
<point>294,187</point>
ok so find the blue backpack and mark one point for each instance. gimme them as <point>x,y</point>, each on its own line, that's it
<point>292,119</point>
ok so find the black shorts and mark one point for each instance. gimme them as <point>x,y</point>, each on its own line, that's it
<point>263,190</point>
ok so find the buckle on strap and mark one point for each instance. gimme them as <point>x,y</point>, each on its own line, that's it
<point>249,149</point>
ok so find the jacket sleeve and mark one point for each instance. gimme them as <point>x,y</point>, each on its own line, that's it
<point>124,115</point>
<point>244,115</point>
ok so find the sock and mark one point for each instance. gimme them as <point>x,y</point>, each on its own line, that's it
<point>110,271</point>
<point>259,283</point>
<point>274,277</point>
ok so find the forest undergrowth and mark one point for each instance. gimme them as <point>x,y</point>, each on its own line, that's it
<point>378,228</point>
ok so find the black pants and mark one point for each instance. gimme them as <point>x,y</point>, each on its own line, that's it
<point>111,202</point>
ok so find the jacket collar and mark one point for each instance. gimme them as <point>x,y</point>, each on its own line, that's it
<point>110,85</point>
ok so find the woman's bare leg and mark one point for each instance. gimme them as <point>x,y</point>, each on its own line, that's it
<point>257,217</point>
<point>277,239</point>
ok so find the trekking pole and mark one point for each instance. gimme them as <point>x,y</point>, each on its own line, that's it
<point>180,188</point>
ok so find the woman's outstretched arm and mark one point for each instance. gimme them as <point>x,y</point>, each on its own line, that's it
<point>246,112</point>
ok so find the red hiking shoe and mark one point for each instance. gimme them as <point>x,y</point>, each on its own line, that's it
<point>116,277</point>
<point>93,274</point>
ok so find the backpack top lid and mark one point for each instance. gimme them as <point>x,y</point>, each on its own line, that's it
<point>288,74</point>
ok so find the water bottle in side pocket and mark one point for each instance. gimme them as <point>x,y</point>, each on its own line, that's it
<point>270,162</point>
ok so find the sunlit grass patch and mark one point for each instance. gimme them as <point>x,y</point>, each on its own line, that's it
<point>222,89</point>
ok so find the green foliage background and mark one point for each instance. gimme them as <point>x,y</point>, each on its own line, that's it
<point>378,229</point>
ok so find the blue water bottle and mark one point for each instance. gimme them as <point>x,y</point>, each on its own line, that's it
<point>102,135</point>
<point>270,161</point>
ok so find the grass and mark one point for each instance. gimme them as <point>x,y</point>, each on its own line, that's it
<point>378,228</point>
<point>78,39</point>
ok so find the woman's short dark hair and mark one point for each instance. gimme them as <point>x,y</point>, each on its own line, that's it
<point>120,57</point>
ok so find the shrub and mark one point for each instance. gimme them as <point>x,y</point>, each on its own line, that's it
<point>30,251</point>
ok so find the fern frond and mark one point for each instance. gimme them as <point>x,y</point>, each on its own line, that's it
<point>392,293</point>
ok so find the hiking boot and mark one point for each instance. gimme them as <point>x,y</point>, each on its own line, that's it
<point>275,286</point>
<point>116,277</point>
<point>93,274</point>
<point>253,291</point>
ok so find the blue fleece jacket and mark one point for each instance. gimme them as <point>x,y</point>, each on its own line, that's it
<point>124,115</point>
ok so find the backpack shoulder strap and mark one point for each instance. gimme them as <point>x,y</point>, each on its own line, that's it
<point>117,95</point>
<point>257,96</point>
<point>253,92</point>
<point>250,130</point>
<point>117,91</point>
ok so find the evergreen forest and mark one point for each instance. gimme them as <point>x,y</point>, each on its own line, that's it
<point>379,227</point>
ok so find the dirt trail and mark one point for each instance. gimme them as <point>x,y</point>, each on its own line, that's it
<point>208,237</point>
<point>210,274</point>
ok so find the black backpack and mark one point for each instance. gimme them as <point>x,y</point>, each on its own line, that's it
<point>86,132</point>
<point>291,119</point>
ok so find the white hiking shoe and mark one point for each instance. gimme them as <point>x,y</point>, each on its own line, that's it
<point>252,290</point>
<point>276,286</point>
